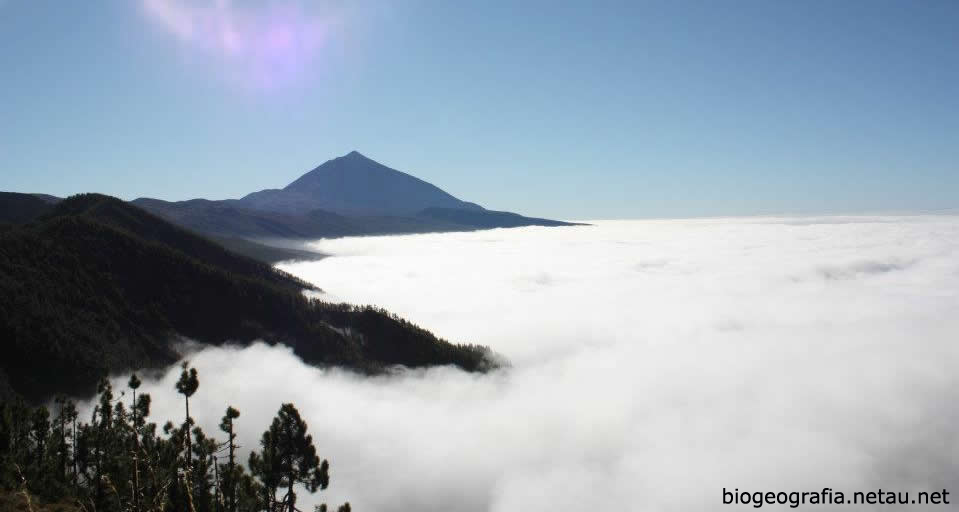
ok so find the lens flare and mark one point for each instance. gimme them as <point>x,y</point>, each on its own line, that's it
<point>263,44</point>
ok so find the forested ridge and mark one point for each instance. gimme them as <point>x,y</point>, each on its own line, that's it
<point>97,285</point>
<point>52,459</point>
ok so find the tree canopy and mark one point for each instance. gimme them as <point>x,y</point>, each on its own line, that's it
<point>118,461</point>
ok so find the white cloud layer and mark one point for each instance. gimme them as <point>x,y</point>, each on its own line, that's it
<point>654,363</point>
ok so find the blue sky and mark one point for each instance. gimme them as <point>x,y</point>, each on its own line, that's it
<point>571,110</point>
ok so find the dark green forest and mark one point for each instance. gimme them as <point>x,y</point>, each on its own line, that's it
<point>96,285</point>
<point>120,460</point>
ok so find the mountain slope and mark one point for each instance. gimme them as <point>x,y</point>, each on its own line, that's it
<point>486,219</point>
<point>98,285</point>
<point>224,219</point>
<point>347,196</point>
<point>234,219</point>
<point>356,185</point>
<point>16,208</point>
<point>266,253</point>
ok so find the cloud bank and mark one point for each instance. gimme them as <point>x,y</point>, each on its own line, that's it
<point>654,364</point>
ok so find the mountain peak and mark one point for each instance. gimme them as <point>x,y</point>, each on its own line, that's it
<point>355,184</point>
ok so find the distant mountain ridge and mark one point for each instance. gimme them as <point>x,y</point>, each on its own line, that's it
<point>351,195</point>
<point>347,196</point>
<point>17,208</point>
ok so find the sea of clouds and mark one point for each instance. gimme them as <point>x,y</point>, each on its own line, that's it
<point>653,364</point>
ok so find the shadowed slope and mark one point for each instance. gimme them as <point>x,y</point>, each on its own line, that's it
<point>16,208</point>
<point>98,285</point>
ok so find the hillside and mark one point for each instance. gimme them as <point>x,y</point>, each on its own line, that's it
<point>98,285</point>
<point>18,208</point>
<point>234,219</point>
<point>266,253</point>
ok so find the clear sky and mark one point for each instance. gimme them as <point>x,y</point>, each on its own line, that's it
<point>572,110</point>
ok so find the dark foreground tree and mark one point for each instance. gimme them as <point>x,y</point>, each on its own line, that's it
<point>288,459</point>
<point>119,461</point>
<point>186,386</point>
<point>134,384</point>
<point>343,508</point>
<point>230,476</point>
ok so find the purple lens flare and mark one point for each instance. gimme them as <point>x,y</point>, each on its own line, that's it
<point>262,44</point>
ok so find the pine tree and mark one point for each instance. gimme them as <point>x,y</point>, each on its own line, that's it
<point>202,469</point>
<point>186,386</point>
<point>289,458</point>
<point>101,436</point>
<point>74,414</point>
<point>343,508</point>
<point>229,480</point>
<point>169,462</point>
<point>39,431</point>
<point>134,384</point>
<point>18,423</point>
<point>66,418</point>
<point>36,454</point>
<point>264,468</point>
